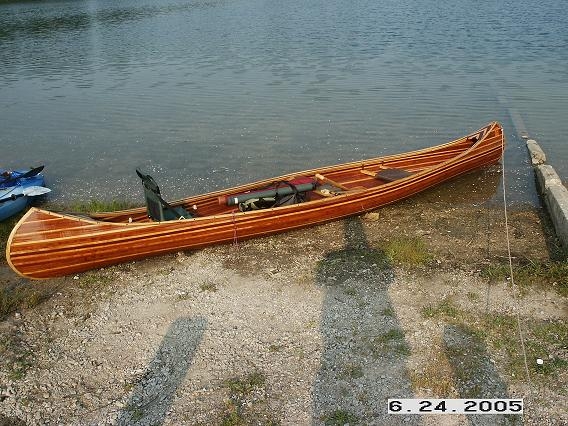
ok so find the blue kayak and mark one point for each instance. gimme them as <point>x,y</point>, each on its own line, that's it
<point>14,185</point>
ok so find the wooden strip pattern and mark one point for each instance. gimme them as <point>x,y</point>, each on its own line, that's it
<point>45,244</point>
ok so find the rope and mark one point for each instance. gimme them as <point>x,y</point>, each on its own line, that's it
<point>235,240</point>
<point>515,288</point>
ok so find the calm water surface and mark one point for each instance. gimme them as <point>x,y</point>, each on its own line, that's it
<point>205,94</point>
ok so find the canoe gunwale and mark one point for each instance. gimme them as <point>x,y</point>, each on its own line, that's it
<point>11,237</point>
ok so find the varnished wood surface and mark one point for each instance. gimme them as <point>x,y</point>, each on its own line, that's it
<point>45,244</point>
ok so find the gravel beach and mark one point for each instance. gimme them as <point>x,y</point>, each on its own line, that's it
<point>318,326</point>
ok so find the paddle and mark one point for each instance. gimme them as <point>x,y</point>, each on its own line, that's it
<point>32,191</point>
<point>34,171</point>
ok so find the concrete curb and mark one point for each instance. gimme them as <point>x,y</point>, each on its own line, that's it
<point>537,154</point>
<point>553,192</point>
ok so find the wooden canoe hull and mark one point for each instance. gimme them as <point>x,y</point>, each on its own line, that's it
<point>45,244</point>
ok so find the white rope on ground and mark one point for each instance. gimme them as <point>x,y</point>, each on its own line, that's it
<point>235,239</point>
<point>515,288</point>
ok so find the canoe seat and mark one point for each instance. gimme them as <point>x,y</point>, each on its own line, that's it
<point>390,175</point>
<point>158,209</point>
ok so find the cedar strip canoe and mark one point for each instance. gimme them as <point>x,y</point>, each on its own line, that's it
<point>46,244</point>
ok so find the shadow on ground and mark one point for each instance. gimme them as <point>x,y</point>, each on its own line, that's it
<point>475,373</point>
<point>152,397</point>
<point>365,351</point>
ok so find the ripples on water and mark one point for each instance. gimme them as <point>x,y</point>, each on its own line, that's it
<point>206,94</point>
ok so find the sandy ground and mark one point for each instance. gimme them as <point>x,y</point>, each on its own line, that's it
<point>317,326</point>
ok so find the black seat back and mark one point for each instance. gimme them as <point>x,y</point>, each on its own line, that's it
<point>156,207</point>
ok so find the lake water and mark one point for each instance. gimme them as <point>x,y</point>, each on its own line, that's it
<point>206,94</point>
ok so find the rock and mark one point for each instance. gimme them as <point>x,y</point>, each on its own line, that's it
<point>371,216</point>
